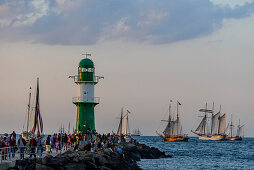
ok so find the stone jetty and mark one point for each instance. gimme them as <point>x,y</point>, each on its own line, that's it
<point>103,160</point>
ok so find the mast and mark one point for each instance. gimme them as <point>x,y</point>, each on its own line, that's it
<point>177,119</point>
<point>212,120</point>
<point>231,126</point>
<point>69,128</point>
<point>205,119</point>
<point>36,108</point>
<point>219,121</point>
<point>28,109</point>
<point>127,124</point>
<point>169,118</point>
<point>238,129</point>
<point>38,123</point>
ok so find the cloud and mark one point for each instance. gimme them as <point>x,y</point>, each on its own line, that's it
<point>22,13</point>
<point>83,22</point>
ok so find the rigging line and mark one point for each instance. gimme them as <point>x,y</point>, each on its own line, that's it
<point>24,122</point>
<point>32,108</point>
<point>195,124</point>
<point>160,124</point>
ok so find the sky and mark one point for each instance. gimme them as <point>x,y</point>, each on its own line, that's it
<point>150,52</point>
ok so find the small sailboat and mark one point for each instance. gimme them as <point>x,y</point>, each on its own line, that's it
<point>173,130</point>
<point>217,126</point>
<point>136,132</point>
<point>37,122</point>
<point>123,128</point>
<point>239,133</point>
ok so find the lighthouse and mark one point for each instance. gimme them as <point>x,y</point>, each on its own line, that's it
<point>85,101</point>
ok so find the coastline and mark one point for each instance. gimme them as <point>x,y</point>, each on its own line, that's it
<point>103,159</point>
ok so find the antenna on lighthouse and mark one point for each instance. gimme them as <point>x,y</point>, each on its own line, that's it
<point>87,54</point>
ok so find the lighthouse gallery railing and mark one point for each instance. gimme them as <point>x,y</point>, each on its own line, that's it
<point>86,100</point>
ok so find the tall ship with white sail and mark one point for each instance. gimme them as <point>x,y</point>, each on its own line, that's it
<point>215,130</point>
<point>123,127</point>
<point>239,132</point>
<point>173,130</point>
<point>136,132</point>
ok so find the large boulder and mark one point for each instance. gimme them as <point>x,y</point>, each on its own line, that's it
<point>27,164</point>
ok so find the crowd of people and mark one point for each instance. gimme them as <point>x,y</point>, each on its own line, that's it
<point>9,144</point>
<point>90,141</point>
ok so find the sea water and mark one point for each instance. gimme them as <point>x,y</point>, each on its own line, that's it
<point>197,154</point>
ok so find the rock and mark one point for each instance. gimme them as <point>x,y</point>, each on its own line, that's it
<point>46,159</point>
<point>75,166</point>
<point>27,164</point>
<point>100,160</point>
<point>103,159</point>
<point>135,155</point>
<point>91,165</point>
<point>43,167</point>
<point>103,168</point>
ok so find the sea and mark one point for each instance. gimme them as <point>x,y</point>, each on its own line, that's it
<point>197,154</point>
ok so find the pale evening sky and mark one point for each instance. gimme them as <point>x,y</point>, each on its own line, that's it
<point>149,52</point>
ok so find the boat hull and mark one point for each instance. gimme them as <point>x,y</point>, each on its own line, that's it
<point>234,138</point>
<point>176,139</point>
<point>214,137</point>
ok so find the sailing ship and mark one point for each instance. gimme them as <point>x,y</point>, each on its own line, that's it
<point>123,128</point>
<point>136,132</point>
<point>173,130</point>
<point>239,132</point>
<point>217,126</point>
<point>37,121</point>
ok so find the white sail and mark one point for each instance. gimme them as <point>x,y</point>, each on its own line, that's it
<point>240,131</point>
<point>178,126</point>
<point>241,134</point>
<point>227,131</point>
<point>215,123</point>
<point>168,129</point>
<point>119,130</point>
<point>174,128</point>
<point>125,125</point>
<point>222,124</point>
<point>181,129</point>
<point>201,126</point>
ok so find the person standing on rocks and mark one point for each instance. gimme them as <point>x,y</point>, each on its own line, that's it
<point>3,146</point>
<point>65,141</point>
<point>47,142</point>
<point>57,144</point>
<point>21,145</point>
<point>39,146</point>
<point>54,141</point>
<point>12,145</point>
<point>33,145</point>
<point>14,135</point>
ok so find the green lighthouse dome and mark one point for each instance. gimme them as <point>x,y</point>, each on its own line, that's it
<point>86,63</point>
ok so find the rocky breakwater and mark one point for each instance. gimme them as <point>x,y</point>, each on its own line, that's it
<point>102,159</point>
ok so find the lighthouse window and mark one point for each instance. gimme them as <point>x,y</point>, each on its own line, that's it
<point>90,69</point>
<point>86,69</point>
